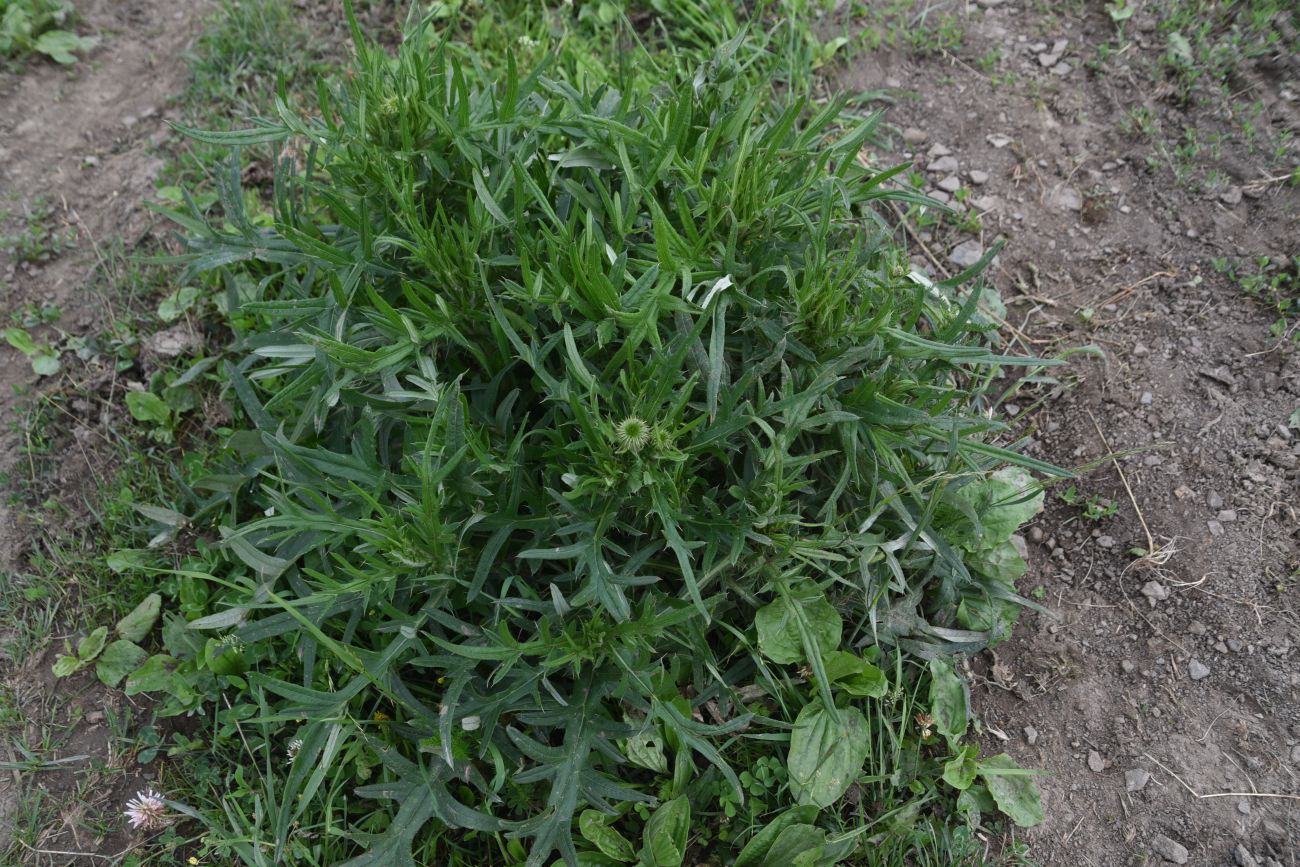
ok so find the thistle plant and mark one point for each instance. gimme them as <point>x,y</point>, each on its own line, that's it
<point>600,437</point>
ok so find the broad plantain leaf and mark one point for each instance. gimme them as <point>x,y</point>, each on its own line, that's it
<point>1013,788</point>
<point>118,660</point>
<point>136,625</point>
<point>664,837</point>
<point>825,757</point>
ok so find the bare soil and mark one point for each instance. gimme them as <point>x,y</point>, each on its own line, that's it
<point>86,139</point>
<point>1143,703</point>
<point>1106,247</point>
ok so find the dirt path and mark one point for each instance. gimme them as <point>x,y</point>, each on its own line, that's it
<point>84,139</point>
<point>1156,680</point>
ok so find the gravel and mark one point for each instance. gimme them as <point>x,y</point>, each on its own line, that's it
<point>1136,780</point>
<point>1197,670</point>
<point>1170,850</point>
<point>914,136</point>
<point>1067,199</point>
<point>944,165</point>
<point>966,253</point>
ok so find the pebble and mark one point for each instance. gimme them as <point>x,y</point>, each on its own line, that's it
<point>1136,780</point>
<point>939,196</point>
<point>944,165</point>
<point>1242,858</point>
<point>1031,735</point>
<point>966,253</point>
<point>938,150</point>
<point>1231,196</point>
<point>1067,199</point>
<point>1196,627</point>
<point>1227,516</point>
<point>1214,501</point>
<point>1127,666</point>
<point>1196,670</point>
<point>1155,592</point>
<point>1295,754</point>
<point>1216,529</point>
<point>998,140</point>
<point>914,136</point>
<point>1146,398</point>
<point>1062,69</point>
<point>1170,850</point>
<point>1243,807</point>
<point>978,177</point>
<point>950,184</point>
<point>1095,762</point>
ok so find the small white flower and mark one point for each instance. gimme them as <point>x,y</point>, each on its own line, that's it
<point>147,811</point>
<point>294,746</point>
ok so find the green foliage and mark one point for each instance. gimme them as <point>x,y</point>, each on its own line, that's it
<point>40,240</point>
<point>36,26</point>
<point>598,457</point>
<point>1092,507</point>
<point>1276,285</point>
<point>1207,40</point>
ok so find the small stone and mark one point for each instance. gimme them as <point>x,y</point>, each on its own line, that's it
<point>1106,541</point>
<point>1095,762</point>
<point>1196,627</point>
<point>1031,735</point>
<point>1295,755</point>
<point>1243,807</point>
<point>945,165</point>
<point>1155,592</point>
<point>1196,670</point>
<point>1168,849</point>
<point>1214,501</point>
<point>1109,166</point>
<point>914,136</point>
<point>938,150</point>
<point>1216,529</point>
<point>966,253</point>
<point>1146,398</point>
<point>950,184</point>
<point>1062,69</point>
<point>1067,199</point>
<point>173,342</point>
<point>939,196</point>
<point>1242,858</point>
<point>998,140</point>
<point>1127,666</point>
<point>1136,780</point>
<point>1227,516</point>
<point>1231,196</point>
<point>978,177</point>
